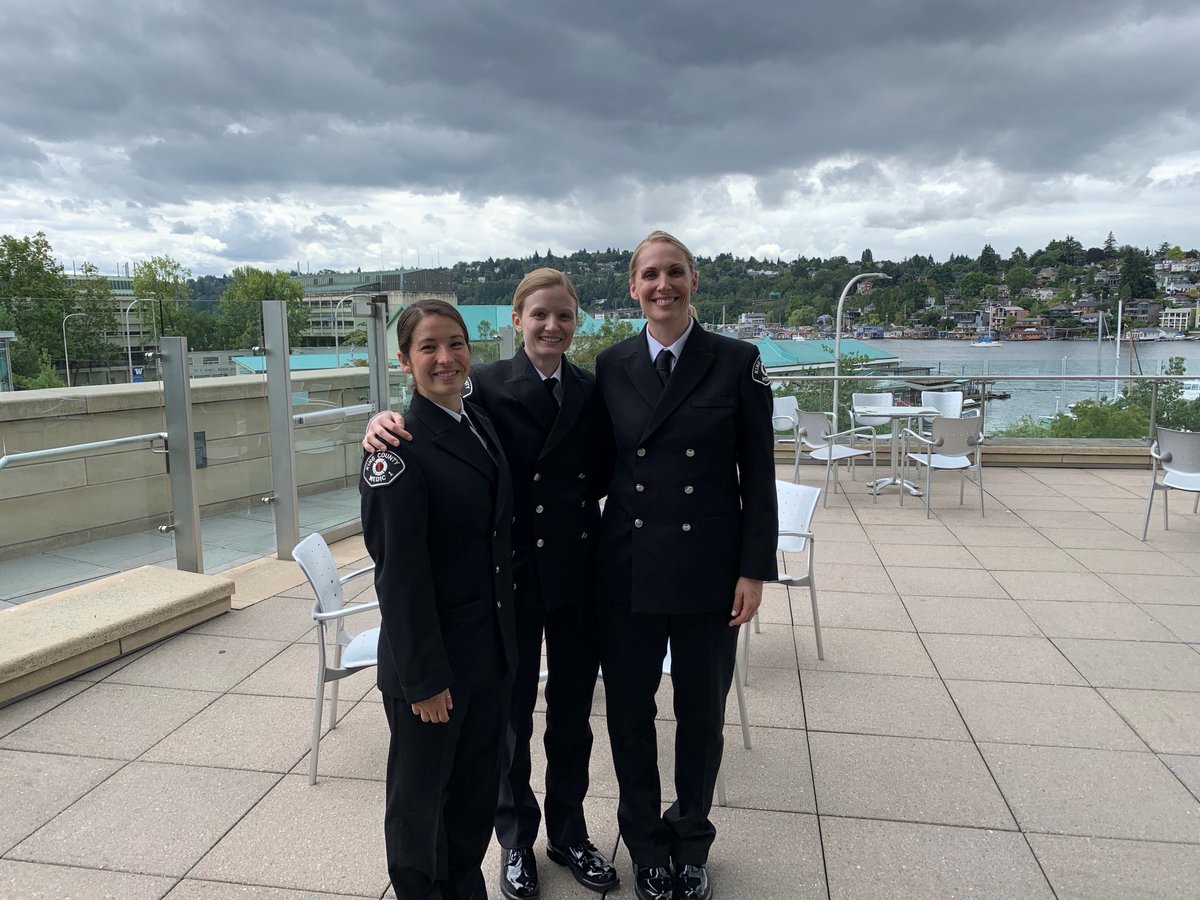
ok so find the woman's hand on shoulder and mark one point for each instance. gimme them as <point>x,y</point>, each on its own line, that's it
<point>436,709</point>
<point>386,429</point>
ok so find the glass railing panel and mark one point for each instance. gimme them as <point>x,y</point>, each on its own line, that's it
<point>328,451</point>
<point>68,518</point>
<point>233,463</point>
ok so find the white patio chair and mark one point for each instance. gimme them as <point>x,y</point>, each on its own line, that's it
<point>815,437</point>
<point>1177,453</point>
<point>948,404</point>
<point>351,653</point>
<point>950,446</point>
<point>797,502</point>
<point>857,420</point>
<point>785,422</point>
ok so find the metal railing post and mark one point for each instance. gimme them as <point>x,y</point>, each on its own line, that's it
<point>279,418</point>
<point>1153,409</point>
<point>377,348</point>
<point>181,454</point>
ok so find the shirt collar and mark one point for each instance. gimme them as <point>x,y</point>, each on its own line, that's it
<point>675,348</point>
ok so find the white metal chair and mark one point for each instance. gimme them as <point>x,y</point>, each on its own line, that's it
<point>814,436</point>
<point>797,502</point>
<point>785,421</point>
<point>950,446</point>
<point>859,421</point>
<point>1177,453</point>
<point>351,653</point>
<point>949,404</point>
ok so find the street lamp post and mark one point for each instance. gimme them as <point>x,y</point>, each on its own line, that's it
<point>128,340</point>
<point>337,347</point>
<point>837,338</point>
<point>66,353</point>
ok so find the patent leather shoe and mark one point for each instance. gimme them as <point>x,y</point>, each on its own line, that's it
<point>518,874</point>
<point>653,883</point>
<point>587,864</point>
<point>691,883</point>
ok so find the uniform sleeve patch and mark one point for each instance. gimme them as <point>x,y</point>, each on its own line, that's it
<point>382,468</point>
<point>759,373</point>
<point>467,387</point>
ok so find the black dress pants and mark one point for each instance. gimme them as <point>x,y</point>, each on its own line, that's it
<point>703,649</point>
<point>572,661</point>
<point>441,791</point>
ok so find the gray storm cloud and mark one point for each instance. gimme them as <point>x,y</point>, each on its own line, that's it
<point>539,102</point>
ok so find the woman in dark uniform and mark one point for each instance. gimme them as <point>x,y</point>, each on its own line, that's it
<point>687,539</point>
<point>437,516</point>
<point>555,435</point>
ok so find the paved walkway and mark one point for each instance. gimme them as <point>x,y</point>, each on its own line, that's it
<point>1009,707</point>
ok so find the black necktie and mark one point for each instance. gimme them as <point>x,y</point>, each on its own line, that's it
<point>662,365</point>
<point>475,435</point>
<point>554,388</point>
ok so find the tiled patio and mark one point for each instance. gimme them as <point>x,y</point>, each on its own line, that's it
<point>1010,707</point>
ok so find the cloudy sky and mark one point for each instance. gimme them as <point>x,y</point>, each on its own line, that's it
<point>362,133</point>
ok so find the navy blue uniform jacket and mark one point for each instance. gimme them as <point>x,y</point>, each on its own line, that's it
<point>440,533</point>
<point>560,459</point>
<point>692,506</point>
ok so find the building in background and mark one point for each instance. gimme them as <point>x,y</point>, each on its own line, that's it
<point>328,296</point>
<point>6,382</point>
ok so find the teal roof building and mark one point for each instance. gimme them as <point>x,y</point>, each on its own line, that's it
<point>785,357</point>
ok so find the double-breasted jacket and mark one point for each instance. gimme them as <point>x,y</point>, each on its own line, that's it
<point>691,506</point>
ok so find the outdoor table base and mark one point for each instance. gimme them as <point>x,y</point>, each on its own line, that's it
<point>895,413</point>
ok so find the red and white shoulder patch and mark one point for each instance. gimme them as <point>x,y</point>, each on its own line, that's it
<point>382,468</point>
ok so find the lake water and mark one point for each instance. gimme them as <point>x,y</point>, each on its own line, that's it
<point>1037,398</point>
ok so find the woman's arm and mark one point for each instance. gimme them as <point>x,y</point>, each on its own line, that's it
<point>395,530</point>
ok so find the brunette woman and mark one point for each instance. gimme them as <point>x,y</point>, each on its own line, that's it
<point>437,516</point>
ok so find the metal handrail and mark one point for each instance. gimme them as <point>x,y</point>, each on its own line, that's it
<point>989,378</point>
<point>70,449</point>
<point>340,414</point>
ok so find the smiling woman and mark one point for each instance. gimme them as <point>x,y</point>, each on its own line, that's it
<point>437,521</point>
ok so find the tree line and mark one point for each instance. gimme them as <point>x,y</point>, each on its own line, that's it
<point>48,311</point>
<point>224,312</point>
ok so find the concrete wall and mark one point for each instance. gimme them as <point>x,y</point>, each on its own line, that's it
<point>125,489</point>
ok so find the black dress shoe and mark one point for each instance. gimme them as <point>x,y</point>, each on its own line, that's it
<point>653,883</point>
<point>518,874</point>
<point>587,864</point>
<point>691,883</point>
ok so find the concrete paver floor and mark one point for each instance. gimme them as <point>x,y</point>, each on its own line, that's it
<point>1009,707</point>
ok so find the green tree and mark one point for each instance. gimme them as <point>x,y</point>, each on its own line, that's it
<point>34,300</point>
<point>1110,246</point>
<point>240,307</point>
<point>586,347</point>
<point>1018,278</point>
<point>165,281</point>
<point>1137,273</point>
<point>989,260</point>
<point>972,285</point>
<point>44,378</point>
<point>802,315</point>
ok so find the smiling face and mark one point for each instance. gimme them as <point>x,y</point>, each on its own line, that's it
<point>438,358</point>
<point>662,282</point>
<point>547,321</point>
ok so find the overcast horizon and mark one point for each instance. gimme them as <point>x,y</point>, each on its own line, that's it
<point>360,134</point>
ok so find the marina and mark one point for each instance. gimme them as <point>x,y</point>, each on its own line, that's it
<point>960,360</point>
